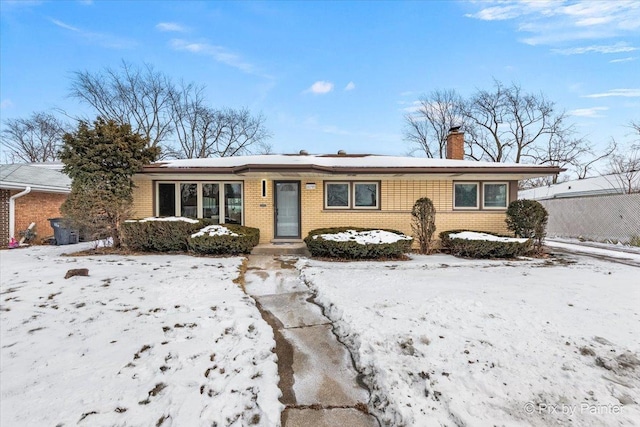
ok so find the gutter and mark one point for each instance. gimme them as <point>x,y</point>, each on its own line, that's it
<point>12,210</point>
<point>342,170</point>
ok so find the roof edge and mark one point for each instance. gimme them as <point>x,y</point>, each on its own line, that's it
<point>7,185</point>
<point>337,170</point>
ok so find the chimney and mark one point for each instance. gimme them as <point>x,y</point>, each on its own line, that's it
<point>455,144</point>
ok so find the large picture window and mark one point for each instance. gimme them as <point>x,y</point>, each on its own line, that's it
<point>220,201</point>
<point>351,195</point>
<point>468,195</point>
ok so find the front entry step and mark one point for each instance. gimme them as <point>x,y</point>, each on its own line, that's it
<point>284,248</point>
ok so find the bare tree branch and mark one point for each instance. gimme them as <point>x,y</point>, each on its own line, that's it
<point>129,95</point>
<point>626,166</point>
<point>426,129</point>
<point>177,118</point>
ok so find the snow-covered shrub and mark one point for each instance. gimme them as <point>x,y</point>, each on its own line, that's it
<point>357,243</point>
<point>474,244</point>
<point>159,234</point>
<point>184,234</point>
<point>227,239</point>
<point>528,218</point>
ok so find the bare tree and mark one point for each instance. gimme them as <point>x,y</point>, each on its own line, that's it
<point>34,139</point>
<point>626,167</point>
<point>139,96</point>
<point>506,124</point>
<point>202,131</point>
<point>583,167</point>
<point>426,129</point>
<point>175,118</point>
<point>237,132</point>
<point>635,125</point>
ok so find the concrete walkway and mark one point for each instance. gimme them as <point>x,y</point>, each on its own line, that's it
<point>318,381</point>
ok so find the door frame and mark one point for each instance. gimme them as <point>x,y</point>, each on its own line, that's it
<point>275,209</point>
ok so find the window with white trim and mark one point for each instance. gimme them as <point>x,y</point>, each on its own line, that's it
<point>495,195</point>
<point>219,201</point>
<point>337,195</point>
<point>465,195</point>
<point>352,195</point>
<point>480,195</point>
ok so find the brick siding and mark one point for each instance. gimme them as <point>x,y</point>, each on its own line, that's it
<point>396,200</point>
<point>37,207</point>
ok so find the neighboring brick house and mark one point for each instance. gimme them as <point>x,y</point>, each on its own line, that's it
<point>37,192</point>
<point>286,196</point>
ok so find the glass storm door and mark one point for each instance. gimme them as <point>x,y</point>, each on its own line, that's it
<point>287,202</point>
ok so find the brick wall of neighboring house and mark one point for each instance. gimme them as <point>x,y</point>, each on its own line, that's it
<point>4,218</point>
<point>396,200</point>
<point>37,207</point>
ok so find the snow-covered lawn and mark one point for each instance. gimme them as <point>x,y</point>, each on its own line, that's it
<point>142,341</point>
<point>446,341</point>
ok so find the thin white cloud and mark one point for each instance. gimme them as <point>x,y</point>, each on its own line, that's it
<point>626,93</point>
<point>170,27</point>
<point>552,22</point>
<point>86,2</point>
<point>350,86</point>
<point>320,87</point>
<point>101,39</point>
<point>218,53</point>
<point>496,13</point>
<point>606,49</point>
<point>413,107</point>
<point>6,103</point>
<point>627,59</point>
<point>592,112</point>
<point>65,26</point>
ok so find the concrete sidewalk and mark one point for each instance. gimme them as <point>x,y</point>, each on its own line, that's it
<point>319,384</point>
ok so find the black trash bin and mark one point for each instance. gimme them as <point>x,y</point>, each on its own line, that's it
<point>62,232</point>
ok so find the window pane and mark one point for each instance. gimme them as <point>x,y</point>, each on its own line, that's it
<point>211,202</point>
<point>466,195</point>
<point>167,199</point>
<point>189,200</point>
<point>495,195</point>
<point>233,203</point>
<point>338,195</point>
<point>366,195</point>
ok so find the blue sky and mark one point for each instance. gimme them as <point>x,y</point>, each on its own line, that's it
<point>334,75</point>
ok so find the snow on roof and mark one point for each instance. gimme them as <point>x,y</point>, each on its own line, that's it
<point>17,176</point>
<point>599,185</point>
<point>337,161</point>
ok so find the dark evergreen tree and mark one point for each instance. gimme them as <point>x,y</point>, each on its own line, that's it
<point>101,161</point>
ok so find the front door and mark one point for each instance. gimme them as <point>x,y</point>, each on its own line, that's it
<point>287,214</point>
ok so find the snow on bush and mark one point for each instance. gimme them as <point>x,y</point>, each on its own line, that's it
<point>369,237</point>
<point>474,235</point>
<point>357,243</point>
<point>214,230</point>
<point>165,219</point>
<point>473,244</point>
